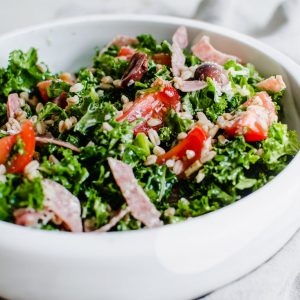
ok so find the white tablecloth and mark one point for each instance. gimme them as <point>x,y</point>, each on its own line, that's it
<point>276,22</point>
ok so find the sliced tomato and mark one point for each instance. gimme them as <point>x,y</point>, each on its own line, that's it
<point>249,125</point>
<point>18,161</point>
<point>254,123</point>
<point>193,141</point>
<point>263,99</point>
<point>126,52</point>
<point>162,58</point>
<point>154,105</point>
<point>6,144</point>
<point>42,86</point>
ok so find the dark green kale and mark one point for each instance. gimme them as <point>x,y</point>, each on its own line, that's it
<point>68,171</point>
<point>177,124</point>
<point>280,146</point>
<point>148,44</point>
<point>18,192</point>
<point>207,100</point>
<point>56,88</point>
<point>22,73</point>
<point>226,178</point>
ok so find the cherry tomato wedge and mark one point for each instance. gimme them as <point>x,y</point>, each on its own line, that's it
<point>254,123</point>
<point>193,141</point>
<point>42,86</point>
<point>250,126</point>
<point>18,162</point>
<point>162,58</point>
<point>6,144</point>
<point>154,105</point>
<point>126,52</point>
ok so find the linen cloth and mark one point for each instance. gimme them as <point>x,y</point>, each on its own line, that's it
<point>276,22</point>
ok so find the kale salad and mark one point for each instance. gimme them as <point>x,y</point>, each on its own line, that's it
<point>151,133</point>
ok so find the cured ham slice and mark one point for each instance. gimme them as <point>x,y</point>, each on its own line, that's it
<point>189,86</point>
<point>13,105</point>
<point>206,52</point>
<point>63,204</point>
<point>137,200</point>
<point>46,140</point>
<point>28,217</point>
<point>273,84</point>
<point>114,220</point>
<point>180,41</point>
<point>180,37</point>
<point>121,41</point>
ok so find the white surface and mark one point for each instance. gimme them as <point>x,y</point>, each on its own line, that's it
<point>173,262</point>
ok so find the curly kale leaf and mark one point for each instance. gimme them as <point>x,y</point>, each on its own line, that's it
<point>207,100</point>
<point>17,192</point>
<point>22,72</point>
<point>279,147</point>
<point>68,171</point>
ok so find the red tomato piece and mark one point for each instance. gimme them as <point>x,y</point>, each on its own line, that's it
<point>152,105</point>
<point>250,126</point>
<point>42,86</point>
<point>126,52</point>
<point>254,123</point>
<point>18,161</point>
<point>6,144</point>
<point>193,141</point>
<point>162,58</point>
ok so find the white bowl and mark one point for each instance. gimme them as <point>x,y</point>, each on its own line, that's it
<point>179,261</point>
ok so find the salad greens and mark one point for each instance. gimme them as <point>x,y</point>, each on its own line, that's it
<point>89,117</point>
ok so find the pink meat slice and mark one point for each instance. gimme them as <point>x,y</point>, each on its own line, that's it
<point>47,140</point>
<point>13,105</point>
<point>120,41</point>
<point>180,37</point>
<point>273,84</point>
<point>189,85</point>
<point>137,200</point>
<point>28,217</point>
<point>206,52</point>
<point>180,41</point>
<point>123,40</point>
<point>114,220</point>
<point>63,204</point>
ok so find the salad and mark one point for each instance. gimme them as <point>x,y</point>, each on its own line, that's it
<point>151,133</point>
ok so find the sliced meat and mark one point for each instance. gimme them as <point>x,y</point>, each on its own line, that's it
<point>189,85</point>
<point>273,84</point>
<point>13,105</point>
<point>180,41</point>
<point>121,41</point>
<point>63,204</point>
<point>138,202</point>
<point>180,37</point>
<point>47,140</point>
<point>114,220</point>
<point>206,52</point>
<point>28,217</point>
